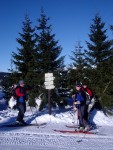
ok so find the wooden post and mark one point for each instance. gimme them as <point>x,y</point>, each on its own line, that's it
<point>49,101</point>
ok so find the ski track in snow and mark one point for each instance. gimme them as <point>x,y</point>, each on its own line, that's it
<point>45,138</point>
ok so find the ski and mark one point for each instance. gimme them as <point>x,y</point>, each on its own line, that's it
<point>76,132</point>
<point>22,125</point>
<point>76,126</point>
<point>72,126</point>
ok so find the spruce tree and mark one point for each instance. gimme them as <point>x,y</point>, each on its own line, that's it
<point>48,49</point>
<point>98,56</point>
<point>25,57</point>
<point>77,68</point>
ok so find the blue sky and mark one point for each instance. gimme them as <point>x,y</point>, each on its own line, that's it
<point>70,20</point>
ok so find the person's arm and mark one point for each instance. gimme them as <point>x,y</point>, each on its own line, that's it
<point>18,93</point>
<point>90,92</point>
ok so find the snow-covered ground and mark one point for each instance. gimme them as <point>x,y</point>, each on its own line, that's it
<point>45,138</point>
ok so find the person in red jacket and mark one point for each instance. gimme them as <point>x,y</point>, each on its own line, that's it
<point>88,90</point>
<point>21,94</point>
<point>90,96</point>
<point>90,103</point>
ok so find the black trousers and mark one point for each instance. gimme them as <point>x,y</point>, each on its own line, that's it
<point>83,116</point>
<point>22,109</point>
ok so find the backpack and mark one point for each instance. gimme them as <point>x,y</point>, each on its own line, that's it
<point>13,92</point>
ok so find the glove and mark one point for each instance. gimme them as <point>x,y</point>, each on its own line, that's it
<point>77,104</point>
<point>88,102</point>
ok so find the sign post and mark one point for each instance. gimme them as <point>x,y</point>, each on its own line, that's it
<point>49,84</point>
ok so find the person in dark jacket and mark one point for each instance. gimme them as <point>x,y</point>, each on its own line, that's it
<point>21,94</point>
<point>80,104</point>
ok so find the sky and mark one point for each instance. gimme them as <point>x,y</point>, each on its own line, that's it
<point>70,20</point>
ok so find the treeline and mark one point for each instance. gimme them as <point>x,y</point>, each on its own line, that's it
<point>39,53</point>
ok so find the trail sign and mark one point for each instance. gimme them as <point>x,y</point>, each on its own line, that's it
<point>49,84</point>
<point>49,78</point>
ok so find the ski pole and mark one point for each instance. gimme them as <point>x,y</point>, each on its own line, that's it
<point>77,117</point>
<point>35,118</point>
<point>73,115</point>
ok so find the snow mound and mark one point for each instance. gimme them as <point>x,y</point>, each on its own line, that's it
<point>12,102</point>
<point>65,116</point>
<point>70,117</point>
<point>101,119</point>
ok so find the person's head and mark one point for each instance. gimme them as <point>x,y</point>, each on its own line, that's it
<point>21,83</point>
<point>78,87</point>
<point>85,85</point>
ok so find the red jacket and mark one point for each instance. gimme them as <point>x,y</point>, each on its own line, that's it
<point>20,91</point>
<point>89,91</point>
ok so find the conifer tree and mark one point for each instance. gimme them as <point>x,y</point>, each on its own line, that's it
<point>77,69</point>
<point>99,47</point>
<point>98,56</point>
<point>25,57</point>
<point>48,49</point>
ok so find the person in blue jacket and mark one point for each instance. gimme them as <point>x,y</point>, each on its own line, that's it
<point>81,107</point>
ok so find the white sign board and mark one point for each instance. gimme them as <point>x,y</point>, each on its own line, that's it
<point>48,83</point>
<point>48,75</point>
<point>49,78</point>
<point>49,87</point>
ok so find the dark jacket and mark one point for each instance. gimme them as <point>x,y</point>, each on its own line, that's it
<point>80,96</point>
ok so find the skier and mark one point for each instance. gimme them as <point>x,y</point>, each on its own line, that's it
<point>80,104</point>
<point>90,102</point>
<point>21,94</point>
<point>90,99</point>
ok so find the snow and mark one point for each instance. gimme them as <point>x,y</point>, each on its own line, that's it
<point>12,102</point>
<point>45,138</point>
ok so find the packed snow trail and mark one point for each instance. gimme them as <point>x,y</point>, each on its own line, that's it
<point>45,138</point>
<point>31,138</point>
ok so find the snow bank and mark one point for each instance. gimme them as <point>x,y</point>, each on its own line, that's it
<point>66,116</point>
<point>70,117</point>
<point>102,119</point>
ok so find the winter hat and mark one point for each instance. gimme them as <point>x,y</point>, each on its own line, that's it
<point>78,85</point>
<point>84,83</point>
<point>21,82</point>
